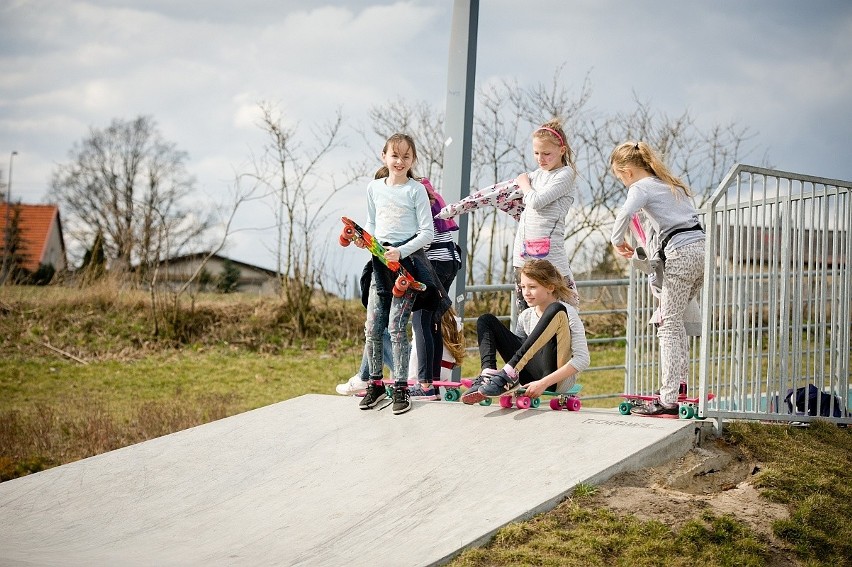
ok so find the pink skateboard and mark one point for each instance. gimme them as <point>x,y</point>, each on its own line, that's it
<point>567,400</point>
<point>688,407</point>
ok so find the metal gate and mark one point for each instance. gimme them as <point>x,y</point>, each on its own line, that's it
<point>776,306</point>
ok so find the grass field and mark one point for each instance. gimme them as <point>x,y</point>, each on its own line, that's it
<point>82,373</point>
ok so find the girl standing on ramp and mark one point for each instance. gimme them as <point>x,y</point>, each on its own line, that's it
<point>666,202</point>
<point>548,348</point>
<point>400,217</point>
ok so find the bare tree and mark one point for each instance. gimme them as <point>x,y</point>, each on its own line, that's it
<point>131,185</point>
<point>291,174</point>
<point>507,113</point>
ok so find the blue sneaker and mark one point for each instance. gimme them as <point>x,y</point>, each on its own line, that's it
<point>424,392</point>
<point>499,384</point>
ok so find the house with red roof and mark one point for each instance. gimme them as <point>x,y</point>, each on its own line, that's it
<point>40,231</point>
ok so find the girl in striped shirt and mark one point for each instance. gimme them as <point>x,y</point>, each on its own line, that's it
<point>549,192</point>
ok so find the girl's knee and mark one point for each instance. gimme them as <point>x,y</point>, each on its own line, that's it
<point>486,321</point>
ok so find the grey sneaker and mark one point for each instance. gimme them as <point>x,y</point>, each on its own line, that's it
<point>375,393</point>
<point>473,395</point>
<point>655,408</point>
<point>401,399</point>
<point>499,384</point>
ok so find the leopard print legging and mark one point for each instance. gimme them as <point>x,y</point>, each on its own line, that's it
<point>683,278</point>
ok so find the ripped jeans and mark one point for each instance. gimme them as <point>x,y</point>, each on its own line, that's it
<point>391,313</point>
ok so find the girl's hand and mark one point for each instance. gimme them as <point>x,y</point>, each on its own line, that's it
<point>624,250</point>
<point>523,181</point>
<point>534,389</point>
<point>392,254</point>
<point>359,242</point>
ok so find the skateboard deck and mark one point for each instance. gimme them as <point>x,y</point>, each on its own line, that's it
<point>566,400</point>
<point>688,407</point>
<point>353,231</point>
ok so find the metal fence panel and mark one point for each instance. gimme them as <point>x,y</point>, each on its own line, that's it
<point>776,315</point>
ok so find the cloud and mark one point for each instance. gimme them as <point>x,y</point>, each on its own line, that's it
<point>779,67</point>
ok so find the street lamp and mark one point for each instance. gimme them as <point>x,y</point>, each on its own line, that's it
<point>8,232</point>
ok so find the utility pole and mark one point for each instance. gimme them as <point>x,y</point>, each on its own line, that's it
<point>461,75</point>
<point>7,236</point>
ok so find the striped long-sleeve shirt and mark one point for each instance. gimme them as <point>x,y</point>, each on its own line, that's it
<point>545,208</point>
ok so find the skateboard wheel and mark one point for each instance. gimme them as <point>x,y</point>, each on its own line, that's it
<point>685,411</point>
<point>573,404</point>
<point>523,402</point>
<point>349,232</point>
<point>535,402</point>
<point>555,405</point>
<point>624,408</point>
<point>505,401</point>
<point>400,287</point>
<point>485,402</point>
<point>344,241</point>
<point>389,391</point>
<point>452,395</point>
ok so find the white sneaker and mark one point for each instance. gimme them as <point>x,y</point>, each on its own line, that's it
<point>352,386</point>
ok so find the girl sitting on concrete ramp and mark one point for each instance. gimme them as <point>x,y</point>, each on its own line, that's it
<point>548,348</point>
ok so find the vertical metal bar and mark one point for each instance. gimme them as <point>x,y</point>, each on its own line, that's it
<point>461,75</point>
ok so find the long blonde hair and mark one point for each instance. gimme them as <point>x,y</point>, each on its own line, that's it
<point>452,336</point>
<point>552,132</point>
<point>393,142</point>
<point>643,156</point>
<point>547,275</point>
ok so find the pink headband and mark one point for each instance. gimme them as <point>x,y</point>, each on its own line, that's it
<point>555,133</point>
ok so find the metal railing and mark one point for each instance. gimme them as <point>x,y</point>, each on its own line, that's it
<point>775,305</point>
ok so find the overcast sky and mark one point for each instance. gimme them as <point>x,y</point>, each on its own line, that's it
<point>782,68</point>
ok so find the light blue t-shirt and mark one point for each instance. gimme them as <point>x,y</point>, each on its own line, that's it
<point>398,212</point>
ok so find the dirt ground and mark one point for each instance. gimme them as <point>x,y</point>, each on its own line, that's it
<point>716,476</point>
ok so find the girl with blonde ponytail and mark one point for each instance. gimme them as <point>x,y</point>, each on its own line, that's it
<point>667,204</point>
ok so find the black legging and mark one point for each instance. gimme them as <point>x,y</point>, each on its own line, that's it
<point>429,341</point>
<point>547,348</point>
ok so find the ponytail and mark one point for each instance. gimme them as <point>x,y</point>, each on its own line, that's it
<point>643,156</point>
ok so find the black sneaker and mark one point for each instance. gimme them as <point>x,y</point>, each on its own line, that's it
<point>375,393</point>
<point>499,384</point>
<point>473,395</point>
<point>401,399</point>
<point>655,408</point>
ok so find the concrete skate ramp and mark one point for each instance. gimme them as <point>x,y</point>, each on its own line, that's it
<point>316,481</point>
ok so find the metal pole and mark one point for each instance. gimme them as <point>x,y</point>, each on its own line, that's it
<point>7,240</point>
<point>461,73</point>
